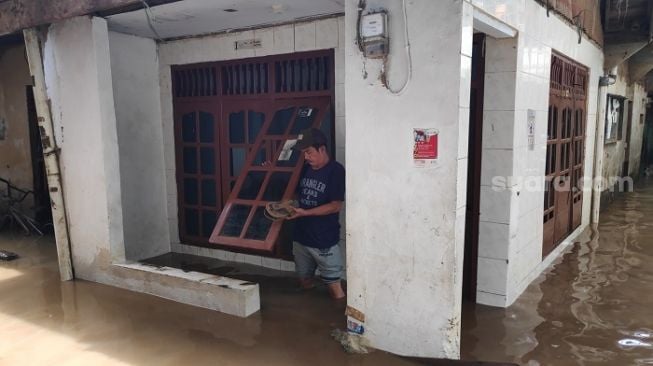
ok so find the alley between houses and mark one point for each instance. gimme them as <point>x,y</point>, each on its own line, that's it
<point>593,306</point>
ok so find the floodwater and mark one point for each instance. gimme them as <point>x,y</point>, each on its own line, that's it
<point>46,322</point>
<point>592,307</point>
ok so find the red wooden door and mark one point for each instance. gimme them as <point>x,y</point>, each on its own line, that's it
<point>198,168</point>
<point>248,88</point>
<point>578,154</point>
<point>563,193</point>
<point>563,175</point>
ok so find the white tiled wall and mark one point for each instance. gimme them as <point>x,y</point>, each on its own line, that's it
<point>497,161</point>
<point>517,79</point>
<point>319,34</point>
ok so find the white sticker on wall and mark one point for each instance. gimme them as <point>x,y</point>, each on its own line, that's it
<point>531,129</point>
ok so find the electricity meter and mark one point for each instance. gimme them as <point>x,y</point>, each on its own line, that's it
<point>374,34</point>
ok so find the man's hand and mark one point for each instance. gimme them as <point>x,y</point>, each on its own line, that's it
<point>298,212</point>
<point>327,209</point>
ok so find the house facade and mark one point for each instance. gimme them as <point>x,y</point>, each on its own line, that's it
<point>162,114</point>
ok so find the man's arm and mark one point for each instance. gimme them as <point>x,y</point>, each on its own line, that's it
<point>326,209</point>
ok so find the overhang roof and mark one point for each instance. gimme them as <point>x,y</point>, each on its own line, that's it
<point>168,18</point>
<point>628,33</point>
<point>196,17</point>
<point>16,15</point>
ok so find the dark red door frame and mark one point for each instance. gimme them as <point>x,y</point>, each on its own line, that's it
<point>470,265</point>
<point>253,83</point>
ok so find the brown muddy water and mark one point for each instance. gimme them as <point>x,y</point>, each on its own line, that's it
<point>592,307</point>
<point>46,322</point>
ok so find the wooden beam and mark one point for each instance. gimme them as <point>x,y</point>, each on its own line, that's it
<point>16,15</point>
<point>50,154</point>
<point>11,39</point>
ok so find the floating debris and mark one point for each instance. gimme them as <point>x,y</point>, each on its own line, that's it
<point>352,343</point>
<point>633,343</point>
<point>7,256</point>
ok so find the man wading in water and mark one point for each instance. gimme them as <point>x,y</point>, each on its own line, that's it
<point>320,192</point>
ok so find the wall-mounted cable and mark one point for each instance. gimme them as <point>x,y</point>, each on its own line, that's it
<point>361,7</point>
<point>409,60</point>
<point>150,18</point>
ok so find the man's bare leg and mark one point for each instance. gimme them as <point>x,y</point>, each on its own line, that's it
<point>335,290</point>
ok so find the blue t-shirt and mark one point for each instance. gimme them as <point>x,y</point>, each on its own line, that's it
<point>316,188</point>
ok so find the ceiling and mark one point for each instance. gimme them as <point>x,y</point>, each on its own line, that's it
<point>628,36</point>
<point>196,17</point>
<point>627,21</point>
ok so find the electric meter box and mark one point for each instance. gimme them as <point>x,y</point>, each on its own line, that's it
<point>374,34</point>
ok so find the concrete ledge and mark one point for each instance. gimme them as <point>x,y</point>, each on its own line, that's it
<point>227,295</point>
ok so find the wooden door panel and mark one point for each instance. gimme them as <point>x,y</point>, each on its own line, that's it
<point>563,195</point>
<point>578,158</point>
<point>242,223</point>
<point>563,208</point>
<point>198,174</point>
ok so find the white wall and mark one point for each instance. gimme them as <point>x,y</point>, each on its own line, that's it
<point>15,156</point>
<point>79,84</point>
<point>135,78</point>
<point>510,244</point>
<point>614,153</point>
<point>299,37</point>
<point>637,131</point>
<point>497,159</point>
<point>78,78</point>
<point>405,225</point>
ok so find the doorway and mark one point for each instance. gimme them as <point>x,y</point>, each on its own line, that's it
<point>629,126</point>
<point>219,112</point>
<point>42,209</point>
<point>470,265</point>
<point>565,152</point>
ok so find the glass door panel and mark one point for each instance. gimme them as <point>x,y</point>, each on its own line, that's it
<point>242,223</point>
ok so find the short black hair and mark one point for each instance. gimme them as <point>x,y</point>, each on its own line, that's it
<point>311,137</point>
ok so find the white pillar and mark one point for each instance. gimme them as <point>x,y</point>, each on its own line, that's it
<point>405,225</point>
<point>78,77</point>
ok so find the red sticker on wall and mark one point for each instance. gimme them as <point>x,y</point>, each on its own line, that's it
<point>425,147</point>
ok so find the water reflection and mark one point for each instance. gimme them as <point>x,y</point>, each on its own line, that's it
<point>591,307</point>
<point>45,321</point>
<point>628,343</point>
